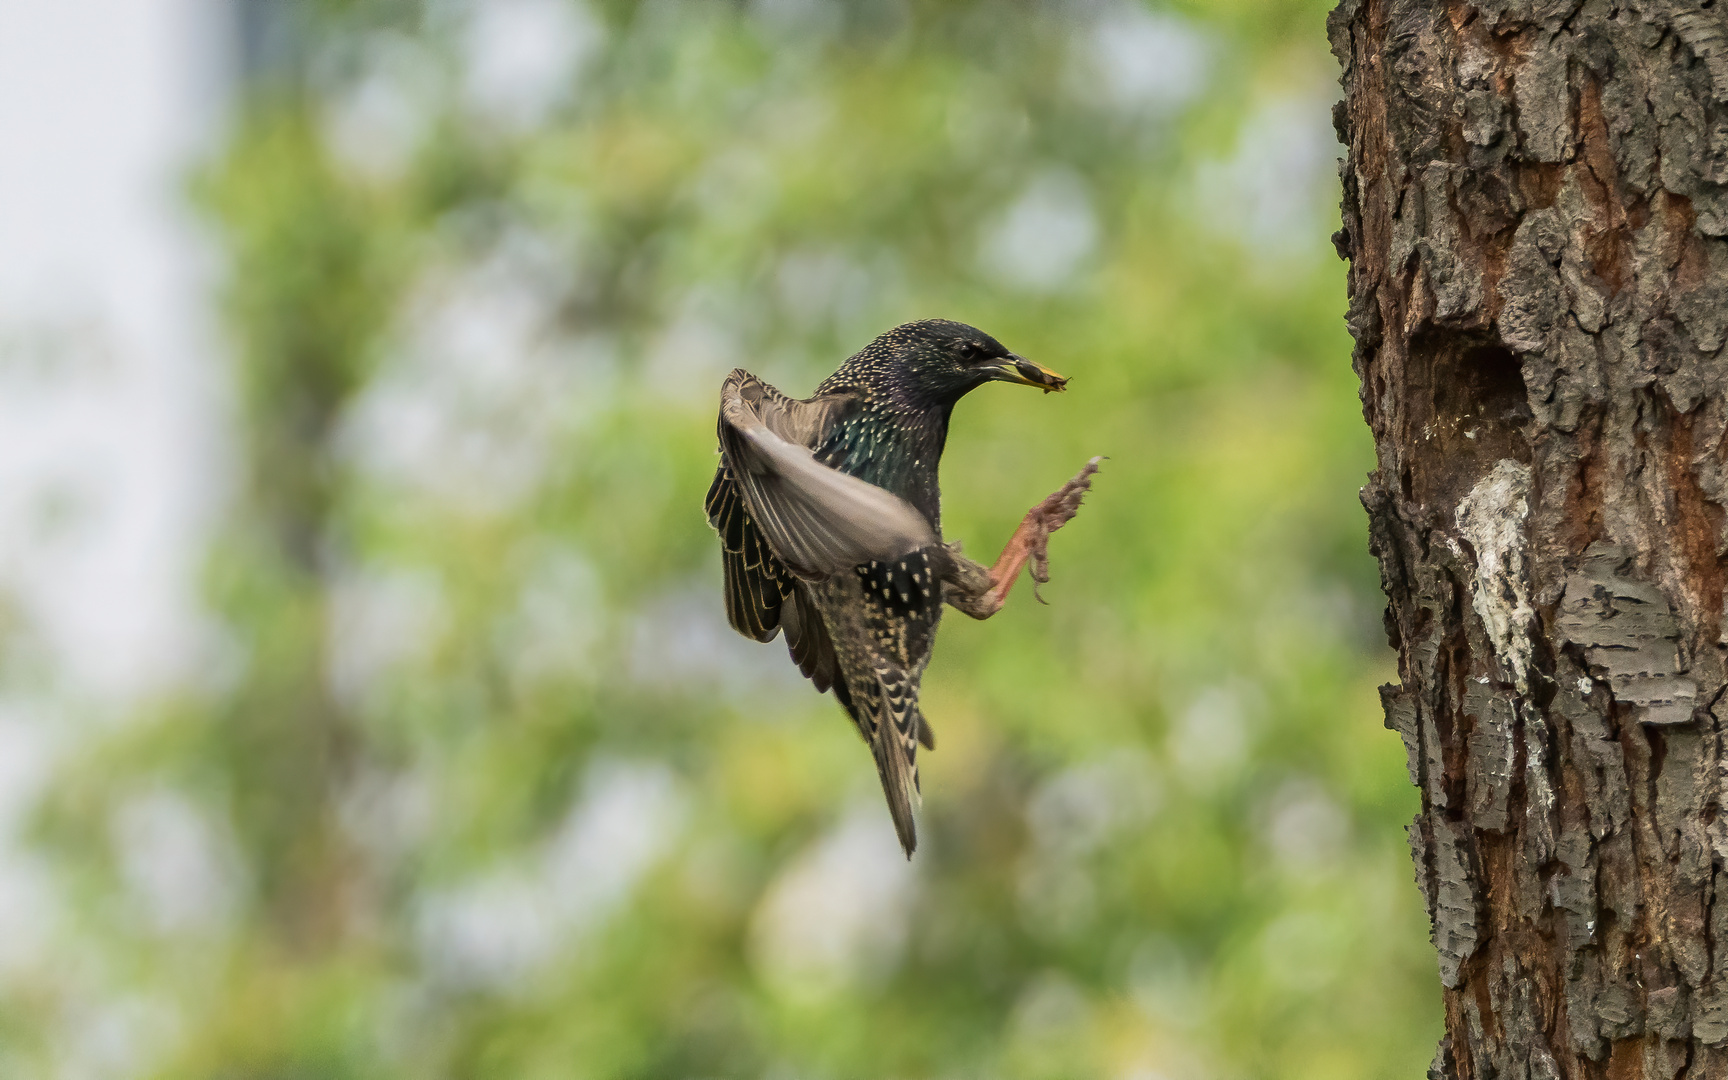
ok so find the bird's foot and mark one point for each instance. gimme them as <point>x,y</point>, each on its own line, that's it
<point>1045,518</point>
<point>981,593</point>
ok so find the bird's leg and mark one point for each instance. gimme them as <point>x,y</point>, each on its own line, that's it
<point>979,591</point>
<point>966,583</point>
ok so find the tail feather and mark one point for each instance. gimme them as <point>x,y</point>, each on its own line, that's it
<point>926,736</point>
<point>895,749</point>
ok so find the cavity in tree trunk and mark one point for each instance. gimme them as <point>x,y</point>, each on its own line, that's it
<point>1535,215</point>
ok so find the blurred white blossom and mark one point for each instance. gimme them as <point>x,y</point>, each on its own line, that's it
<point>505,923</point>
<point>1133,59</point>
<point>523,55</point>
<point>838,914</point>
<point>1045,235</point>
<point>179,867</point>
<point>1274,192</point>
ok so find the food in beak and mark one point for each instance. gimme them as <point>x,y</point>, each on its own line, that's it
<point>1041,377</point>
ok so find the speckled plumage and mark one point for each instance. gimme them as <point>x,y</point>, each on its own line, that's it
<point>855,579</point>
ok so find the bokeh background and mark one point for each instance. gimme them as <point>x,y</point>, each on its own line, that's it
<point>367,706</point>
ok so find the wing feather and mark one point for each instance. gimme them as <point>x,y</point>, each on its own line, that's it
<point>762,596</point>
<point>817,520</point>
<point>756,583</point>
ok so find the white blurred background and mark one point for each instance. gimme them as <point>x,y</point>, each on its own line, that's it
<point>109,430</point>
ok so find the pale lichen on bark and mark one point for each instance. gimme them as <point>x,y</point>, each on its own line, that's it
<point>1492,519</point>
<point>1536,214</point>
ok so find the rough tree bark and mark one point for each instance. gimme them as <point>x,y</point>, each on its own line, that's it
<point>1535,212</point>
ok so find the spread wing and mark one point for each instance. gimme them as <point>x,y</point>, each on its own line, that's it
<point>783,516</point>
<point>816,520</point>
<point>762,597</point>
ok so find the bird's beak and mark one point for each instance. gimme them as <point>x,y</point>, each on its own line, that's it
<point>1018,369</point>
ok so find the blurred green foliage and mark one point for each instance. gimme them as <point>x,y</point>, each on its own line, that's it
<point>481,785</point>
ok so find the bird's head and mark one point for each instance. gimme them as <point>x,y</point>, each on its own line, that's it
<point>940,361</point>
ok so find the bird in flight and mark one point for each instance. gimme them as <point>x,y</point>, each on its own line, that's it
<point>829,517</point>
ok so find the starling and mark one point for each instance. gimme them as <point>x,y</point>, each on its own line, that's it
<point>829,517</point>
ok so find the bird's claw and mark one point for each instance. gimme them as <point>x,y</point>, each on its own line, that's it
<point>980,591</point>
<point>1048,516</point>
<point>1059,509</point>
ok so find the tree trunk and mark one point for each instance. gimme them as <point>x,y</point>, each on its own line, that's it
<point>1535,216</point>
